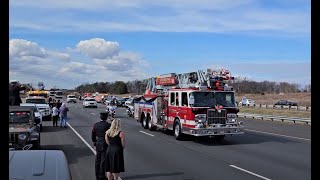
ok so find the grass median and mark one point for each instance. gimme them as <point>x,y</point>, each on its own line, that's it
<point>276,112</point>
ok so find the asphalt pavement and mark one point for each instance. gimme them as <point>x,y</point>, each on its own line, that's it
<point>267,150</point>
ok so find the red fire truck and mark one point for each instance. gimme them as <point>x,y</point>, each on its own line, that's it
<point>199,103</point>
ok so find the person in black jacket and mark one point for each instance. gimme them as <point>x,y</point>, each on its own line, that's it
<point>14,93</point>
<point>99,129</point>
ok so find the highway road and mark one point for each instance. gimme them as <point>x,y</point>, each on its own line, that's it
<point>267,150</point>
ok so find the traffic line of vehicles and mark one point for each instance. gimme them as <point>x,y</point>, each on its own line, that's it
<point>199,103</point>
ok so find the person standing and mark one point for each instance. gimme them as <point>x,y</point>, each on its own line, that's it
<point>99,130</point>
<point>55,115</point>
<point>63,115</point>
<point>114,158</point>
<point>14,93</point>
<point>59,105</point>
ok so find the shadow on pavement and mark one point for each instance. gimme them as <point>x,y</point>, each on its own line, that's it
<point>152,175</point>
<point>72,153</point>
<point>51,128</point>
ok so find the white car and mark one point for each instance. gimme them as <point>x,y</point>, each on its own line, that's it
<point>247,102</point>
<point>37,113</point>
<point>71,98</point>
<point>58,95</point>
<point>89,102</point>
<point>43,106</point>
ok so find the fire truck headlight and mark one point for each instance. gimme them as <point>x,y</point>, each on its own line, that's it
<point>201,118</point>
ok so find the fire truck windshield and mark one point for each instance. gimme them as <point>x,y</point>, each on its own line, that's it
<point>211,99</point>
<point>203,99</point>
<point>226,99</point>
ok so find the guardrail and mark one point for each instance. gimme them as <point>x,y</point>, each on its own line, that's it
<point>275,118</point>
<point>300,108</point>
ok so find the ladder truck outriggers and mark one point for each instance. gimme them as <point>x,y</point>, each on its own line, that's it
<point>199,103</point>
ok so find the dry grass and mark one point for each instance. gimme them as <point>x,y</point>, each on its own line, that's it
<point>303,99</point>
<point>276,112</point>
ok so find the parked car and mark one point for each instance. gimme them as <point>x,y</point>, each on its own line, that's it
<point>42,105</point>
<point>246,102</point>
<point>286,103</point>
<point>38,164</point>
<point>89,102</point>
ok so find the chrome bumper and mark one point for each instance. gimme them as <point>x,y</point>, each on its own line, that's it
<point>212,131</point>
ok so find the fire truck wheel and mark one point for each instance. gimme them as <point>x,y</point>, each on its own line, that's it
<point>150,126</point>
<point>144,122</point>
<point>177,130</point>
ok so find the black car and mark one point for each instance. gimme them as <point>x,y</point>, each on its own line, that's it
<point>286,103</point>
<point>121,101</point>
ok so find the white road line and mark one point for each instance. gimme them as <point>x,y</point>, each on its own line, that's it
<point>147,133</point>
<point>93,114</point>
<point>250,172</point>
<point>278,134</point>
<point>85,142</point>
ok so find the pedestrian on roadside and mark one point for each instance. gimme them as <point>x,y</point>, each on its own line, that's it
<point>99,130</point>
<point>115,139</point>
<point>59,105</point>
<point>63,115</point>
<point>55,115</point>
<point>50,102</point>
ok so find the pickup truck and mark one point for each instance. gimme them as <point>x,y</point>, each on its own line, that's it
<point>43,106</point>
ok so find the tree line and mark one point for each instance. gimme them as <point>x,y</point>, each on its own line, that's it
<point>241,85</point>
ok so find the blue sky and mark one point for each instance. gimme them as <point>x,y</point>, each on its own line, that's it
<point>67,43</point>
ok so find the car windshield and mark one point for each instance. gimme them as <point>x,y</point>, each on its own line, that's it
<point>90,100</point>
<point>36,101</point>
<point>19,117</point>
<point>59,93</point>
<point>45,95</point>
<point>72,96</point>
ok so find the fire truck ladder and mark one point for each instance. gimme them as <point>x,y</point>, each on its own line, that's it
<point>197,79</point>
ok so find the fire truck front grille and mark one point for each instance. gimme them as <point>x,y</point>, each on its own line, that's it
<point>216,117</point>
<point>13,137</point>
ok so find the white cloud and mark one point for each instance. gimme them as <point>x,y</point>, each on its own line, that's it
<point>98,48</point>
<point>23,48</point>
<point>28,63</point>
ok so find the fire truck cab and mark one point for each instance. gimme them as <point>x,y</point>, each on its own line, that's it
<point>197,103</point>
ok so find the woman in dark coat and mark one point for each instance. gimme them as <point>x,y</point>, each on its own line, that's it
<point>114,157</point>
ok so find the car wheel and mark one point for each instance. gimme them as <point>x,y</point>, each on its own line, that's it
<point>40,127</point>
